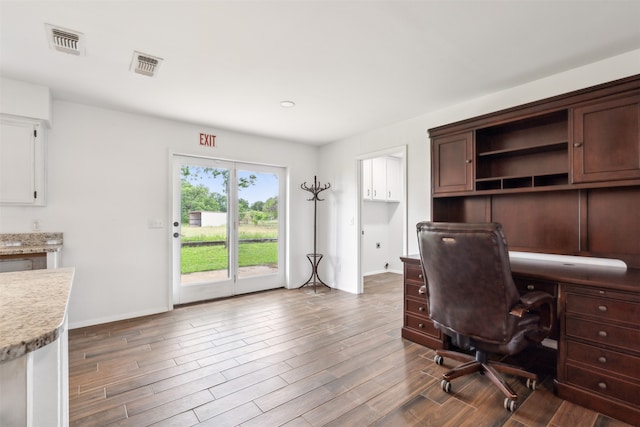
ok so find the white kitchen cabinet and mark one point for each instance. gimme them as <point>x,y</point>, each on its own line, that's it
<point>367,190</point>
<point>394,180</point>
<point>381,179</point>
<point>22,162</point>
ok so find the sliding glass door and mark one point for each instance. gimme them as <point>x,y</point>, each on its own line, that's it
<point>228,228</point>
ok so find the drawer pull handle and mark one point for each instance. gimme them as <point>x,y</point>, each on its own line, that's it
<point>419,276</point>
<point>420,325</point>
<point>420,308</point>
<point>422,290</point>
<point>602,333</point>
<point>602,385</point>
<point>531,287</point>
<point>602,359</point>
<point>602,308</point>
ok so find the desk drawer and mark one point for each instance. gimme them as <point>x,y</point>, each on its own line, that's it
<point>617,336</point>
<point>525,285</point>
<point>418,308</point>
<point>421,324</point>
<point>413,290</point>
<point>603,308</point>
<point>604,385</point>
<point>619,363</point>
<point>413,272</point>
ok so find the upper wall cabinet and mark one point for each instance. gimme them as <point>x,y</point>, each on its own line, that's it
<point>453,163</point>
<point>579,140</point>
<point>394,179</point>
<point>562,175</point>
<point>381,179</point>
<point>606,142</point>
<point>22,162</point>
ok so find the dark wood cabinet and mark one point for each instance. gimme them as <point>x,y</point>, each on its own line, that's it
<point>606,143</point>
<point>599,350</point>
<point>453,168</point>
<point>417,325</point>
<point>562,175</point>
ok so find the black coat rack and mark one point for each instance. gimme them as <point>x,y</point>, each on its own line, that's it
<point>315,257</point>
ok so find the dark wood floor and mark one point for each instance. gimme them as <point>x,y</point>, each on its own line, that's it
<point>287,357</point>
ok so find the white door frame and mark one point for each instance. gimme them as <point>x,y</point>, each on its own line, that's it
<point>233,285</point>
<point>401,149</point>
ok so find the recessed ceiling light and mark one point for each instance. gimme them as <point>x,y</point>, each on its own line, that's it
<point>287,104</point>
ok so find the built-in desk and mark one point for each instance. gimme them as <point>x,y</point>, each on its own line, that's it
<point>598,329</point>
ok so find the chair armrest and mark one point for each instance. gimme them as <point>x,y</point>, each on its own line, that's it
<point>535,299</point>
<point>540,302</point>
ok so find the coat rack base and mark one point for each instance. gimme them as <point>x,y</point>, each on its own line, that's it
<point>314,279</point>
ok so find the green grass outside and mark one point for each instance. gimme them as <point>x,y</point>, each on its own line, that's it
<point>268,230</point>
<point>208,258</point>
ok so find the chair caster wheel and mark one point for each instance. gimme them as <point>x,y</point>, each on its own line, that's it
<point>446,386</point>
<point>532,384</point>
<point>438,359</point>
<point>509,404</point>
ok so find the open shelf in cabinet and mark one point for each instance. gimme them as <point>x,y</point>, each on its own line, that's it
<point>522,181</point>
<point>523,151</point>
<point>531,152</point>
<point>531,133</point>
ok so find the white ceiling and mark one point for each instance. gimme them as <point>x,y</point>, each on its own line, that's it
<point>350,66</point>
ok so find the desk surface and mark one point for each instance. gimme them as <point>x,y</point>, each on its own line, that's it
<point>580,274</point>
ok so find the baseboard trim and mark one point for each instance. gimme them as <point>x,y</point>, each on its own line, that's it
<point>116,318</point>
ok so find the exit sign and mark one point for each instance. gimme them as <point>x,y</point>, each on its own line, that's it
<point>207,139</point>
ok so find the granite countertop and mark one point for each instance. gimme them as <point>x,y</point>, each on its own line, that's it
<point>30,243</point>
<point>33,306</point>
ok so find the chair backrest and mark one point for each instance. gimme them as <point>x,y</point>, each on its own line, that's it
<point>469,282</point>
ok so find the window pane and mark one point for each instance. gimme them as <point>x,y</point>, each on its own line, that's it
<point>204,253</point>
<point>258,223</point>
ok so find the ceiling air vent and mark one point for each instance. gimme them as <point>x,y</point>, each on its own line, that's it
<point>144,64</point>
<point>65,40</point>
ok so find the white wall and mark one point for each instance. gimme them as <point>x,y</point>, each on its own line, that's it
<point>108,175</point>
<point>381,223</point>
<point>338,161</point>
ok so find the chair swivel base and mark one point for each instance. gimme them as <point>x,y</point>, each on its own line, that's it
<point>479,363</point>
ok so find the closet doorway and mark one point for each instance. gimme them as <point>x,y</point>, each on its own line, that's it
<point>382,212</point>
<point>227,229</point>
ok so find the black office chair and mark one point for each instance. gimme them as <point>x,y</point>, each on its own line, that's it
<point>473,300</point>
